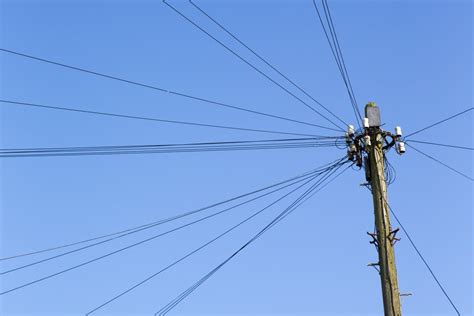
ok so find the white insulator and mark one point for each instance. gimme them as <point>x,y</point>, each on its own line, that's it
<point>398,131</point>
<point>367,140</point>
<point>366,122</point>
<point>350,130</point>
<point>352,148</point>
<point>401,148</point>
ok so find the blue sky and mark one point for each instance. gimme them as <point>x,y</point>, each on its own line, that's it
<point>414,58</point>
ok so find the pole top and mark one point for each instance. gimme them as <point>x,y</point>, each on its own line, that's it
<point>372,112</point>
<point>371,104</point>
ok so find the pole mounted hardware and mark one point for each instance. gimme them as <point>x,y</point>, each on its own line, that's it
<point>366,148</point>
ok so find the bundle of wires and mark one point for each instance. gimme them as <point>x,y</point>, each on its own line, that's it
<point>289,143</point>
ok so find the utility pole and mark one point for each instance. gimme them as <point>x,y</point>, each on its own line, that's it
<point>366,148</point>
<point>385,235</point>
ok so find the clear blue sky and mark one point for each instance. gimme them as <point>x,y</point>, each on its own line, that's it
<point>414,58</point>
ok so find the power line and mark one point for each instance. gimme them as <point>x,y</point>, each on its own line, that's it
<point>338,57</point>
<point>199,144</point>
<point>251,65</point>
<point>441,163</point>
<point>327,183</point>
<point>302,199</point>
<point>437,123</point>
<point>92,260</point>
<point>195,250</point>
<point>143,85</point>
<point>166,149</point>
<point>356,106</point>
<point>266,62</point>
<point>148,151</point>
<point>108,254</point>
<point>438,144</point>
<point>148,227</point>
<point>165,309</point>
<point>162,220</point>
<point>150,118</point>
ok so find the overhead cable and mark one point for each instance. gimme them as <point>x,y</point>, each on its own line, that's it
<point>116,251</point>
<point>252,66</point>
<point>176,93</point>
<point>439,122</point>
<point>425,262</point>
<point>441,163</point>
<point>338,57</point>
<point>150,277</point>
<point>166,149</point>
<point>161,221</point>
<point>438,144</point>
<point>266,62</point>
<point>152,119</point>
<point>298,202</point>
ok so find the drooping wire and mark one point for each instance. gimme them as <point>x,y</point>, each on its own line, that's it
<point>438,144</point>
<point>251,65</point>
<point>151,119</point>
<point>170,148</point>
<point>143,85</point>
<point>266,61</point>
<point>114,252</point>
<point>338,57</point>
<point>302,199</point>
<point>128,290</point>
<point>440,122</point>
<point>425,262</point>
<point>390,172</point>
<point>441,163</point>
<point>149,227</point>
<point>162,221</point>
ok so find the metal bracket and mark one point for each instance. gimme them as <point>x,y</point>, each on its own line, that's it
<point>392,236</point>
<point>374,240</point>
<point>375,266</point>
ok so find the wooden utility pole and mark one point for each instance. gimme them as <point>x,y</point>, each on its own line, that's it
<point>385,237</point>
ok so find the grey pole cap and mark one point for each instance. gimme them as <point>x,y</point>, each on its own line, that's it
<point>372,112</point>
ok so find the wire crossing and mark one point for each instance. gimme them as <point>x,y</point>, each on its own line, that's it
<point>266,61</point>
<point>251,65</point>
